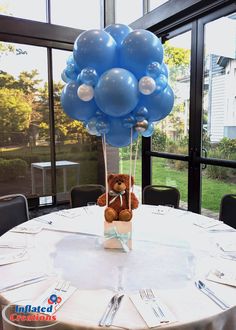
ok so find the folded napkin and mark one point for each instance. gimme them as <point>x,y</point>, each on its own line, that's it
<point>60,290</point>
<point>161,209</point>
<point>11,258</point>
<point>228,246</point>
<point>224,277</point>
<point>204,222</point>
<point>12,243</point>
<point>145,309</point>
<point>14,283</point>
<point>29,227</point>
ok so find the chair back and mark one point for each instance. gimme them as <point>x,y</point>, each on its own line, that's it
<point>13,211</point>
<point>161,195</point>
<point>228,210</point>
<point>83,194</point>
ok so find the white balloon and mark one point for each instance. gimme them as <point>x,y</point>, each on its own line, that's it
<point>85,92</point>
<point>147,85</point>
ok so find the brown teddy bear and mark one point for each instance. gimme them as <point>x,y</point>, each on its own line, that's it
<point>118,198</point>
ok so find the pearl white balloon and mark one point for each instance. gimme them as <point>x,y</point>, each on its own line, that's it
<point>147,85</point>
<point>85,92</point>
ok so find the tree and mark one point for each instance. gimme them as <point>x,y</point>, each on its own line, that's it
<point>15,113</point>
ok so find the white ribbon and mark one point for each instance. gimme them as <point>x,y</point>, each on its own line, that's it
<point>116,194</point>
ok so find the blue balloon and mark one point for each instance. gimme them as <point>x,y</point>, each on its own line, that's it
<point>73,106</point>
<point>159,105</point>
<point>89,76</point>
<point>161,83</point>
<point>119,136</point>
<point>138,50</point>
<point>149,131</point>
<point>116,93</point>
<point>129,121</point>
<point>154,69</point>
<point>96,49</point>
<point>103,125</point>
<point>70,59</point>
<point>91,126</point>
<point>118,32</point>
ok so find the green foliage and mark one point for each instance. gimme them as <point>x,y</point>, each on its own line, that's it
<point>159,140</point>
<point>227,147</point>
<point>11,169</point>
<point>15,111</point>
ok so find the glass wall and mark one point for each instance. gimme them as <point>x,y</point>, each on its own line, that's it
<point>156,3</point>
<point>29,9</point>
<point>24,120</point>
<point>77,14</point>
<point>219,109</point>
<point>128,11</point>
<point>171,134</point>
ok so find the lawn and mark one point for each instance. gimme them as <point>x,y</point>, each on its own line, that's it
<point>212,190</point>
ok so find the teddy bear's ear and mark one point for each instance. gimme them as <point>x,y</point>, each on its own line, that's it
<point>110,176</point>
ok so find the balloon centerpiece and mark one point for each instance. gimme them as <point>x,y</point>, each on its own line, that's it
<point>117,83</point>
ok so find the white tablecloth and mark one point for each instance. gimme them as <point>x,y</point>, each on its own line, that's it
<point>169,252</point>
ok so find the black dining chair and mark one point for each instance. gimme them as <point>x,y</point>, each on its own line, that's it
<point>13,211</point>
<point>161,195</point>
<point>228,210</point>
<point>83,194</point>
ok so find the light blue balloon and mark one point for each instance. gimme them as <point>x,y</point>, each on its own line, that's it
<point>129,121</point>
<point>119,136</point>
<point>89,76</point>
<point>70,59</point>
<point>91,126</point>
<point>159,105</point>
<point>116,93</point>
<point>141,113</point>
<point>138,50</point>
<point>161,83</point>
<point>64,76</point>
<point>73,106</point>
<point>154,69</point>
<point>149,131</point>
<point>71,72</point>
<point>164,70</point>
<point>118,32</point>
<point>96,49</point>
<point>103,125</point>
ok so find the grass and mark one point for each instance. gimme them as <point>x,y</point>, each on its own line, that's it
<point>162,173</point>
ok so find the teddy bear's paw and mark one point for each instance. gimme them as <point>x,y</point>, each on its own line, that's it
<point>125,215</point>
<point>110,214</point>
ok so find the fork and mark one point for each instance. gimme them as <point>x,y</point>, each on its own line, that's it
<point>148,296</point>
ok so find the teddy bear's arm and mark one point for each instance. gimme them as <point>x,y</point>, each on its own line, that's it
<point>134,201</point>
<point>101,201</point>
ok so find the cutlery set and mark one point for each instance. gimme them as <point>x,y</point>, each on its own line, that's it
<point>148,296</point>
<point>111,310</point>
<point>31,280</point>
<point>208,292</point>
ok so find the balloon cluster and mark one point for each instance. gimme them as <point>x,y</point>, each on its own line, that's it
<point>117,80</point>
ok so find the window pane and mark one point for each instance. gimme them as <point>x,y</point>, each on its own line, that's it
<point>171,134</point>
<point>172,173</point>
<point>73,143</point>
<point>24,121</point>
<point>127,12</point>
<point>215,186</point>
<point>156,3</point>
<point>219,104</point>
<point>29,9</point>
<point>78,14</point>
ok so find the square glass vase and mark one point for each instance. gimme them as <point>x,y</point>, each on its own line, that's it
<point>118,235</point>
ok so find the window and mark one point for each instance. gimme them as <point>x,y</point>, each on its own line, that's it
<point>128,11</point>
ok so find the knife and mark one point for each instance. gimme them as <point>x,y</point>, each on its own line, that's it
<point>107,311</point>
<point>201,286</point>
<point>114,310</point>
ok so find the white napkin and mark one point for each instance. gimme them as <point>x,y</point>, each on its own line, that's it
<point>63,296</point>
<point>29,227</point>
<point>11,258</point>
<point>161,209</point>
<point>145,310</point>
<point>12,243</point>
<point>228,246</point>
<point>204,222</point>
<point>224,277</point>
<point>13,283</point>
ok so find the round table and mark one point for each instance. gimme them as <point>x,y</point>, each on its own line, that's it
<point>171,249</point>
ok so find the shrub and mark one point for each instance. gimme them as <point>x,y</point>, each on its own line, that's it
<point>159,140</point>
<point>227,147</point>
<point>12,168</point>
<point>217,172</point>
